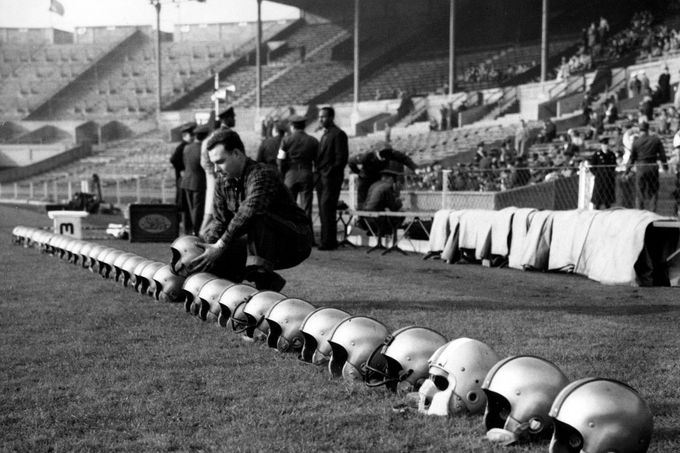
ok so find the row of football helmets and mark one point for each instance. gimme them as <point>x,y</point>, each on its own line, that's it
<point>523,398</point>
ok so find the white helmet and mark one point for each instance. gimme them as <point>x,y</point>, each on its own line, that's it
<point>316,329</point>
<point>255,310</point>
<point>184,250</point>
<point>118,265</point>
<point>284,319</point>
<point>403,358</point>
<point>598,415</point>
<point>209,298</point>
<point>457,370</point>
<point>128,267</point>
<point>190,289</point>
<point>167,285</point>
<point>352,342</point>
<point>519,392</point>
<point>145,282</point>
<point>232,302</point>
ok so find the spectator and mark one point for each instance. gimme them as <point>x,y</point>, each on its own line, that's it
<point>634,86</point>
<point>647,150</point>
<point>296,163</point>
<point>646,108</point>
<point>603,168</point>
<point>177,160</point>
<point>664,92</point>
<point>193,189</point>
<point>383,195</point>
<point>522,138</point>
<point>369,165</point>
<point>330,169</point>
<point>612,113</point>
<point>444,114</point>
<point>269,147</point>
<point>549,131</point>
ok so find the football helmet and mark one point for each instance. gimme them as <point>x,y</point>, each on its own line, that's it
<point>316,329</point>
<point>168,285</point>
<point>403,358</point>
<point>596,415</point>
<point>284,320</point>
<point>17,234</point>
<point>85,254</point>
<point>352,342</point>
<point>74,252</point>
<point>136,277</point>
<point>184,250</point>
<point>232,302</point>
<point>454,386</point>
<point>519,392</point>
<point>190,289</point>
<point>145,283</point>
<point>255,309</point>
<point>105,261</point>
<point>128,267</point>
<point>118,265</point>
<point>209,298</point>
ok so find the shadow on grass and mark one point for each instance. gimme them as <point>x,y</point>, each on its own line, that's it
<point>493,305</point>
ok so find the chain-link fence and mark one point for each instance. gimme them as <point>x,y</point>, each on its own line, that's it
<point>556,188</point>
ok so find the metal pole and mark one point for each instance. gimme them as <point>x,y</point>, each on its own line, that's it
<point>356,55</point>
<point>55,189</point>
<point>157,5</point>
<point>16,190</point>
<point>30,190</point>
<point>544,41</point>
<point>118,191</point>
<point>69,191</point>
<point>258,61</point>
<point>163,195</point>
<point>138,188</point>
<point>217,87</point>
<point>452,46</point>
<point>446,175</point>
<point>45,193</point>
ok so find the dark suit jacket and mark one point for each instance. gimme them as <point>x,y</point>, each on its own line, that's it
<point>333,154</point>
<point>194,175</point>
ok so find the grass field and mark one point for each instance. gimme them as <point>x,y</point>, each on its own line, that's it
<point>90,366</point>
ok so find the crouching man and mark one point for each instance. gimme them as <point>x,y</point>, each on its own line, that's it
<point>253,206</point>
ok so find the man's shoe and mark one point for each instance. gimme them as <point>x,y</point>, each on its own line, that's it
<point>327,247</point>
<point>266,280</point>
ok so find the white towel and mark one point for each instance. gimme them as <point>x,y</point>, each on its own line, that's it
<point>520,227</point>
<point>451,247</point>
<point>569,232</point>
<point>475,231</point>
<point>537,243</point>
<point>500,231</point>
<point>440,230</point>
<point>613,245</point>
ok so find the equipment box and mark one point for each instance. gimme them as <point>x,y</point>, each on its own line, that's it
<point>153,222</point>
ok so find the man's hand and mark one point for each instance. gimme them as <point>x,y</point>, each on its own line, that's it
<point>206,260</point>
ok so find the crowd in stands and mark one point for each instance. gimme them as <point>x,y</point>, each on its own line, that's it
<point>488,72</point>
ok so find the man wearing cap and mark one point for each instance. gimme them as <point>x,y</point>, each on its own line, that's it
<point>193,187</point>
<point>369,165</point>
<point>269,147</point>
<point>383,195</point>
<point>647,150</point>
<point>177,160</point>
<point>226,121</point>
<point>329,174</point>
<point>603,168</point>
<point>296,163</point>
<point>252,206</point>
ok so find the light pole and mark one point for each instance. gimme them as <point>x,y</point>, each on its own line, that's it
<point>157,6</point>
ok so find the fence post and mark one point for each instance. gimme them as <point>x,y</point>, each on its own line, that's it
<point>163,197</point>
<point>118,192</point>
<point>45,193</point>
<point>55,188</point>
<point>16,191</point>
<point>138,188</point>
<point>30,190</point>
<point>69,190</point>
<point>446,174</point>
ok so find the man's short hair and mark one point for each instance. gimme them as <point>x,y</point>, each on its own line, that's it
<point>230,139</point>
<point>330,110</point>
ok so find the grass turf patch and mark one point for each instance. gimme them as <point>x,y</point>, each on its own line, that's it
<point>91,366</point>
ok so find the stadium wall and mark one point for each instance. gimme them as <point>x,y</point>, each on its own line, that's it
<point>62,158</point>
